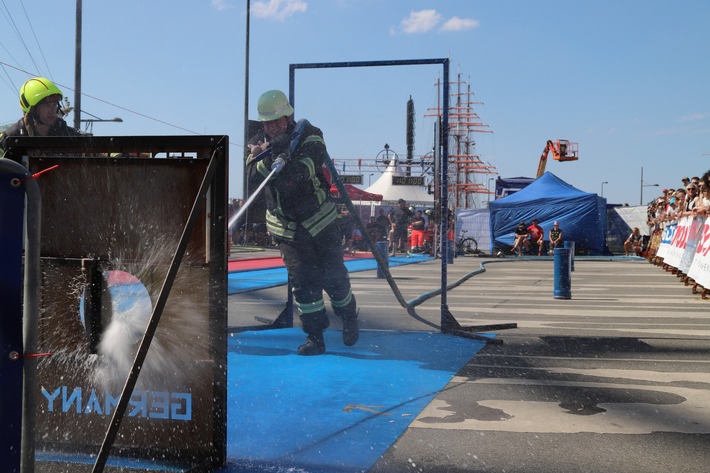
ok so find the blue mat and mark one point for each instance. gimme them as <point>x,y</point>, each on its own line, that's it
<point>245,281</point>
<point>331,413</point>
<point>325,414</point>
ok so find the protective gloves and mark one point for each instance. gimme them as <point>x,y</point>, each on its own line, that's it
<point>280,162</point>
<point>280,144</point>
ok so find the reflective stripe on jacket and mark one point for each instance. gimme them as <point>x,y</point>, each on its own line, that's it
<point>299,194</point>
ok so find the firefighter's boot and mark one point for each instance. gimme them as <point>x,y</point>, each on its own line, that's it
<point>351,328</point>
<point>314,324</point>
<point>351,331</point>
<point>315,345</point>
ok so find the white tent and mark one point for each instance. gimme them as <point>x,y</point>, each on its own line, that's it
<point>634,217</point>
<point>414,195</point>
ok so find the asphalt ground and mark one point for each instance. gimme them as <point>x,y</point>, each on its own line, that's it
<point>615,379</point>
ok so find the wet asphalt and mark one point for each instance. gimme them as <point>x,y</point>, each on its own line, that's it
<point>615,379</point>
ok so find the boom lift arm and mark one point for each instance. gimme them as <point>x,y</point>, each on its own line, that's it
<point>562,150</point>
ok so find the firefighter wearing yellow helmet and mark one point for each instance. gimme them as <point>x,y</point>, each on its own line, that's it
<point>301,217</point>
<point>40,100</point>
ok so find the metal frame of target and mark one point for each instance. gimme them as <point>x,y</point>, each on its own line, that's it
<point>448,324</point>
<point>124,217</point>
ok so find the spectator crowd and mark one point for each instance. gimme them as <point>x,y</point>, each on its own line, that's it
<point>680,232</point>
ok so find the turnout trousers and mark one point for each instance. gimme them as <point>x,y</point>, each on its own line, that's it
<point>315,264</point>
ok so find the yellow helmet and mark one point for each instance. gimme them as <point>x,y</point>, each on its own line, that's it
<point>273,105</point>
<point>35,90</point>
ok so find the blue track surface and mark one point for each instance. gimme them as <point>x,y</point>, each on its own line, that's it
<point>336,412</point>
<point>325,414</point>
<point>245,281</point>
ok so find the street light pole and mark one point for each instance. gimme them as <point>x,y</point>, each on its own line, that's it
<point>489,189</point>
<point>91,121</point>
<point>77,68</point>
<point>245,184</point>
<point>97,120</point>
<point>644,185</point>
<point>604,182</point>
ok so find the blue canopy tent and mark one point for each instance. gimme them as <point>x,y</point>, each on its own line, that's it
<point>582,215</point>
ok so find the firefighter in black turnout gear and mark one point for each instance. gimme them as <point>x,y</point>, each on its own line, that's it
<point>302,219</point>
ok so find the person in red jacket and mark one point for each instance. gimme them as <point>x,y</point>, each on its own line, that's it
<point>536,236</point>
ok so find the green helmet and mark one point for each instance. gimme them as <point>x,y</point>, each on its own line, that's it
<point>35,90</point>
<point>273,105</point>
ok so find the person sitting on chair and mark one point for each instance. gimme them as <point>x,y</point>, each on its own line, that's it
<point>537,236</point>
<point>555,237</point>
<point>521,239</point>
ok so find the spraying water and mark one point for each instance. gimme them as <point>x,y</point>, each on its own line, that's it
<point>130,308</point>
<point>139,251</point>
<point>175,350</point>
<point>111,233</point>
<point>249,201</point>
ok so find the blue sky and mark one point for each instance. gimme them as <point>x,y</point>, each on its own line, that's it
<point>627,80</point>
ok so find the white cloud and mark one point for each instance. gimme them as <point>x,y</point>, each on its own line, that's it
<point>278,10</point>
<point>692,117</point>
<point>222,5</point>
<point>420,21</point>
<point>459,24</point>
<point>673,131</point>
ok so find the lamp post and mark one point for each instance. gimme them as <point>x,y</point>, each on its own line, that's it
<point>604,182</point>
<point>245,184</point>
<point>489,189</point>
<point>644,185</point>
<point>77,67</point>
<point>94,120</point>
<point>369,179</point>
<point>91,121</point>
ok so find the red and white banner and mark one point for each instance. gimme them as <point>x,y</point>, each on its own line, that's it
<point>700,267</point>
<point>691,244</point>
<point>679,239</point>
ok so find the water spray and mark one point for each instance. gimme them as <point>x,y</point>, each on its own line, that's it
<point>249,201</point>
<point>170,352</point>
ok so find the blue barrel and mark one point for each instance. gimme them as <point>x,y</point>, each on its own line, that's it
<point>450,251</point>
<point>12,210</point>
<point>383,248</point>
<point>563,275</point>
<point>570,245</point>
